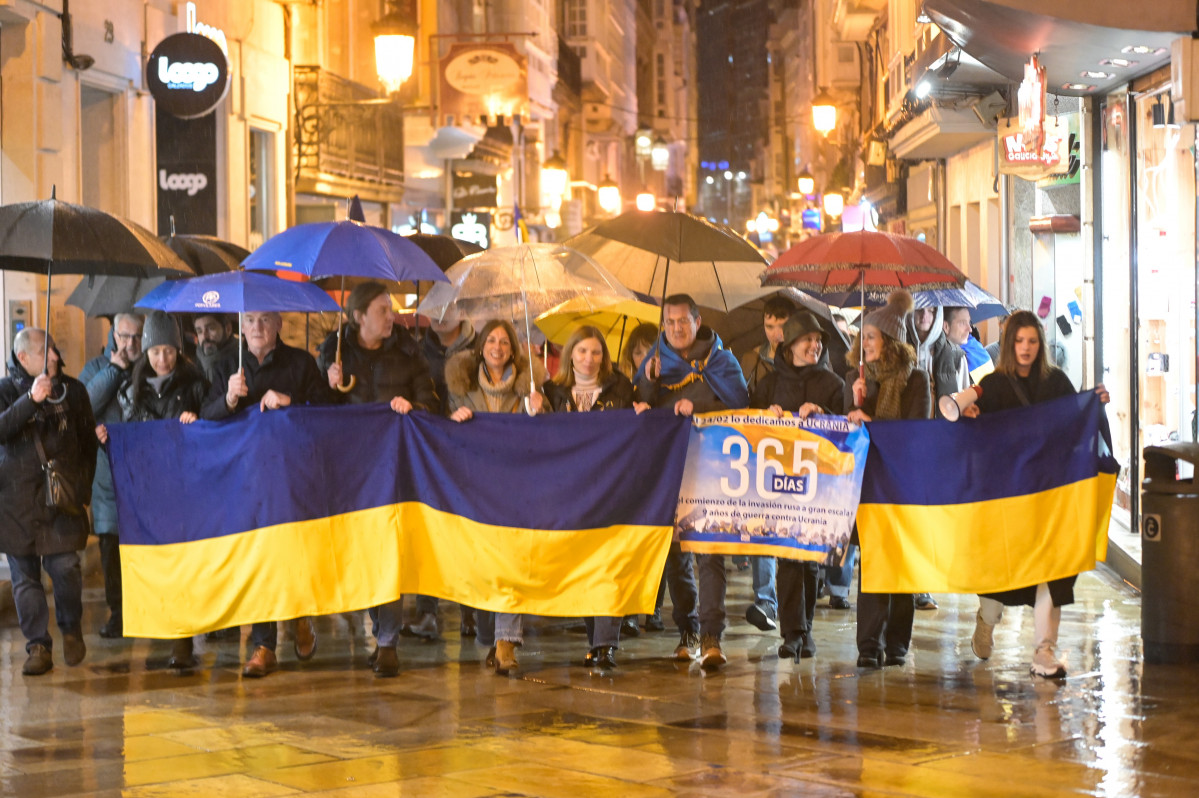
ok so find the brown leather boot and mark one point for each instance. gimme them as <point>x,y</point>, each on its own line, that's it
<point>262,663</point>
<point>505,657</point>
<point>305,643</point>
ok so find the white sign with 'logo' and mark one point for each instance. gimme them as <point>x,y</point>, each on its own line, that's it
<point>210,299</point>
<point>192,183</point>
<point>185,75</point>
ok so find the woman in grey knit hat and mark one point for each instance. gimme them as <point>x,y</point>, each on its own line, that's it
<point>890,386</point>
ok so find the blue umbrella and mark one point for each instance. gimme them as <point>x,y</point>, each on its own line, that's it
<point>982,305</point>
<point>238,292</point>
<point>346,249</point>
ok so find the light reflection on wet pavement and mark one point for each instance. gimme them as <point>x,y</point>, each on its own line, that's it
<point>945,724</point>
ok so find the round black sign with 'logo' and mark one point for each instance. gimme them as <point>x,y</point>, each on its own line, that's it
<point>188,75</point>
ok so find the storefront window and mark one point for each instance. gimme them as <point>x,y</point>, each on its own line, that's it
<point>261,189</point>
<point>1165,210</point>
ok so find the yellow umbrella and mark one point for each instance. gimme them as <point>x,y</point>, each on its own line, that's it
<point>614,321</point>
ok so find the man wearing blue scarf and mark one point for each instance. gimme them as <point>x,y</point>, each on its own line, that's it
<point>693,373</point>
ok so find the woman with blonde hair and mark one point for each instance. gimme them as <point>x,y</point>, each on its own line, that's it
<point>494,377</point>
<point>586,382</point>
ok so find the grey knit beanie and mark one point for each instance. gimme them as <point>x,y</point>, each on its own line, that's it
<point>160,330</point>
<point>890,319</point>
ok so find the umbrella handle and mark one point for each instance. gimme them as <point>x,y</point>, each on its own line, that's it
<point>346,388</point>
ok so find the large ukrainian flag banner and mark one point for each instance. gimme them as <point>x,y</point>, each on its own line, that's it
<point>317,510</point>
<point>1003,501</point>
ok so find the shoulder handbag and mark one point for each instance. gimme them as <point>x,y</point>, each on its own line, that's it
<point>60,484</point>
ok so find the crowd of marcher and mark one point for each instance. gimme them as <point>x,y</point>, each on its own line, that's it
<point>899,364</point>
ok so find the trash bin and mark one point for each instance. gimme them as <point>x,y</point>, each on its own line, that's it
<point>1170,556</point>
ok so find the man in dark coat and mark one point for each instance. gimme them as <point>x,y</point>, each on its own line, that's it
<point>104,376</point>
<point>692,372</point>
<point>32,534</point>
<point>274,375</point>
<point>215,341</point>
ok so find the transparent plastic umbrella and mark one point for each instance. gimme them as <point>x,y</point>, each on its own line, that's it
<point>520,283</point>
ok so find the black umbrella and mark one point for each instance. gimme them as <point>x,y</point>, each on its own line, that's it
<point>52,237</point>
<point>108,295</point>
<point>207,254</point>
<point>741,328</point>
<point>444,250</point>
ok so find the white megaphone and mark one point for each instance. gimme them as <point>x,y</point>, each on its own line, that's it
<point>951,406</point>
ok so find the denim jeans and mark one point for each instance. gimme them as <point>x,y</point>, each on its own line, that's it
<point>603,630</point>
<point>265,633</point>
<point>763,569</point>
<point>492,626</point>
<point>29,595</point>
<point>839,578</point>
<point>390,621</point>
<point>684,596</point>
<point>712,585</point>
<point>426,604</point>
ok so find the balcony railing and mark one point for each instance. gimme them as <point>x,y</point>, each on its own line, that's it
<point>336,134</point>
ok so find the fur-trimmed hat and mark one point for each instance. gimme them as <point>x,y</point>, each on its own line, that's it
<point>160,330</point>
<point>890,319</point>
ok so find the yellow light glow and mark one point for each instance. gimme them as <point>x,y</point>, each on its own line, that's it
<point>393,59</point>
<point>824,113</point>
<point>834,203</point>
<point>807,184</point>
<point>646,201</point>
<point>609,197</point>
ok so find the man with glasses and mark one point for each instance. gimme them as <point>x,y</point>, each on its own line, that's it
<point>273,375</point>
<point>693,372</point>
<point>104,376</point>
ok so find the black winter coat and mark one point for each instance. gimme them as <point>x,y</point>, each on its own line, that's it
<point>286,369</point>
<point>183,392</point>
<point>615,394</point>
<point>789,387</point>
<point>68,434</point>
<point>397,368</point>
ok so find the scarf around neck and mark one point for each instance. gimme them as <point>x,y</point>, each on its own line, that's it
<point>891,384</point>
<point>585,391</point>
<point>498,394</point>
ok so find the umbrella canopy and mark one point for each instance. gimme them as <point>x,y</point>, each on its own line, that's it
<point>614,321</point>
<point>861,267</point>
<point>349,249</point>
<point>668,252</point>
<point>54,237</point>
<point>522,282</point>
<point>444,250</point>
<point>741,328</point>
<point>982,305</point>
<point>108,295</point>
<point>206,254</point>
<point>238,292</point>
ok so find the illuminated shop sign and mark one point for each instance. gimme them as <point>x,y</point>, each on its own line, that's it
<point>188,74</point>
<point>1051,158</point>
<point>207,31</point>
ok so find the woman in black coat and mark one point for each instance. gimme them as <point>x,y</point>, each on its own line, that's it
<point>587,382</point>
<point>800,385</point>
<point>892,387</point>
<point>1024,377</point>
<point>164,384</point>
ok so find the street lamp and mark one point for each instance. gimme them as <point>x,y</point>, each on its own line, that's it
<point>646,201</point>
<point>553,176</point>
<point>395,49</point>
<point>608,194</point>
<point>660,155</point>
<point>824,113</point>
<point>807,183</point>
<point>834,203</point>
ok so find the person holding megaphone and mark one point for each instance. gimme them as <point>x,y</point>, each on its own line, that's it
<point>1024,377</point>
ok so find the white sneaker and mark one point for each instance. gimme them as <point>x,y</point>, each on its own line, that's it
<point>428,627</point>
<point>983,641</point>
<point>1046,664</point>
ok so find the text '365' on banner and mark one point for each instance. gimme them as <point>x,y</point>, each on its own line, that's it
<point>780,487</point>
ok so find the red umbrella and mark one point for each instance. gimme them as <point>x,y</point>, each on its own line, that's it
<point>864,266</point>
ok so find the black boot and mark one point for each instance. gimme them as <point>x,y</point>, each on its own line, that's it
<point>110,564</point>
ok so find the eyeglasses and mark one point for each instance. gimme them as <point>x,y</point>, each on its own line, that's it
<point>129,336</point>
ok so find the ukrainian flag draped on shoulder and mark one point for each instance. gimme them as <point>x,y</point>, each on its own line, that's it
<point>318,510</point>
<point>1004,501</point>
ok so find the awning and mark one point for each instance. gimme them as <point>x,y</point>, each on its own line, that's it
<point>1086,46</point>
